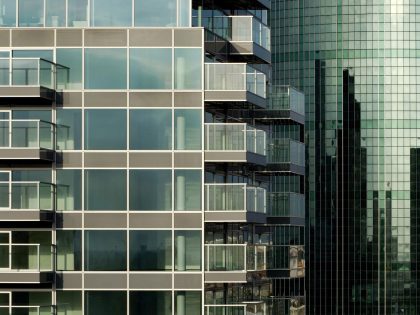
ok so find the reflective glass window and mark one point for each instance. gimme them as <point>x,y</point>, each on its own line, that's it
<point>151,190</point>
<point>105,251</point>
<point>69,302</point>
<point>187,250</point>
<point>155,13</point>
<point>110,13</point>
<point>105,303</point>
<point>188,65</point>
<point>72,59</point>
<point>105,129</point>
<point>188,129</point>
<point>151,68</point>
<point>150,250</point>
<point>55,13</point>
<point>8,13</point>
<point>190,300</point>
<point>77,13</point>
<point>105,190</point>
<point>69,189</point>
<point>187,190</point>
<point>151,302</point>
<point>31,13</point>
<point>105,68</point>
<point>150,129</point>
<point>69,250</point>
<point>69,129</point>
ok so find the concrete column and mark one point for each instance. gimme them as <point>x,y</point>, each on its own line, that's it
<point>180,73</point>
<point>180,193</point>
<point>180,253</point>
<point>180,133</point>
<point>180,303</point>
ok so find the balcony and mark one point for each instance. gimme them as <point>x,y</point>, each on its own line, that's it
<point>287,155</point>
<point>286,208</point>
<point>234,203</point>
<point>30,81</point>
<point>27,310</point>
<point>232,262</point>
<point>249,38</point>
<point>286,101</point>
<point>27,140</point>
<point>234,83</point>
<point>245,308</point>
<point>234,4</point>
<point>286,261</point>
<point>26,202</point>
<point>238,143</point>
<point>26,263</point>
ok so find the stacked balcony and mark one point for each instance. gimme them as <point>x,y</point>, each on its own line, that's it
<point>234,203</point>
<point>287,155</point>
<point>235,143</point>
<point>248,37</point>
<point>233,263</point>
<point>22,141</point>
<point>26,263</point>
<point>26,203</point>
<point>231,83</point>
<point>30,81</point>
<point>245,308</point>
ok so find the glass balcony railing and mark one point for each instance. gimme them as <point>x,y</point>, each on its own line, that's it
<point>239,29</point>
<point>26,196</point>
<point>287,98</point>
<point>286,204</point>
<point>286,151</point>
<point>27,134</point>
<point>234,77</point>
<point>26,257</point>
<point>32,72</point>
<point>235,257</point>
<point>236,309</point>
<point>234,137</point>
<point>27,310</point>
<point>235,197</point>
<point>288,258</point>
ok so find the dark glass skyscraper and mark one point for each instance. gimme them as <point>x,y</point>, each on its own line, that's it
<point>356,62</point>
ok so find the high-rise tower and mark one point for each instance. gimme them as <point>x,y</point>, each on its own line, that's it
<point>356,62</point>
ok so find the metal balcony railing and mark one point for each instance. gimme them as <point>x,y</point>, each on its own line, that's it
<point>27,134</point>
<point>27,310</point>
<point>234,77</point>
<point>26,257</point>
<point>235,257</point>
<point>33,72</point>
<point>287,98</point>
<point>286,204</point>
<point>239,29</point>
<point>286,151</point>
<point>251,308</point>
<point>234,137</point>
<point>234,197</point>
<point>26,196</point>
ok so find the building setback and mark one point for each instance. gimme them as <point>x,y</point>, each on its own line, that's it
<point>147,165</point>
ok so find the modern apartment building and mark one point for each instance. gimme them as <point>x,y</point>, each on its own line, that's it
<point>356,62</point>
<point>144,169</point>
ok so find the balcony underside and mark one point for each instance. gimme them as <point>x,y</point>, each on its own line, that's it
<point>235,157</point>
<point>25,218</point>
<point>249,52</point>
<point>234,97</point>
<point>26,95</point>
<point>25,156</point>
<point>285,168</point>
<point>18,278</point>
<point>234,4</point>
<point>234,216</point>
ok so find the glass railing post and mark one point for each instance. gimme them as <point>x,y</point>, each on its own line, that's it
<point>38,72</point>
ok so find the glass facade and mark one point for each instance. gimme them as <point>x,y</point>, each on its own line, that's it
<point>357,63</point>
